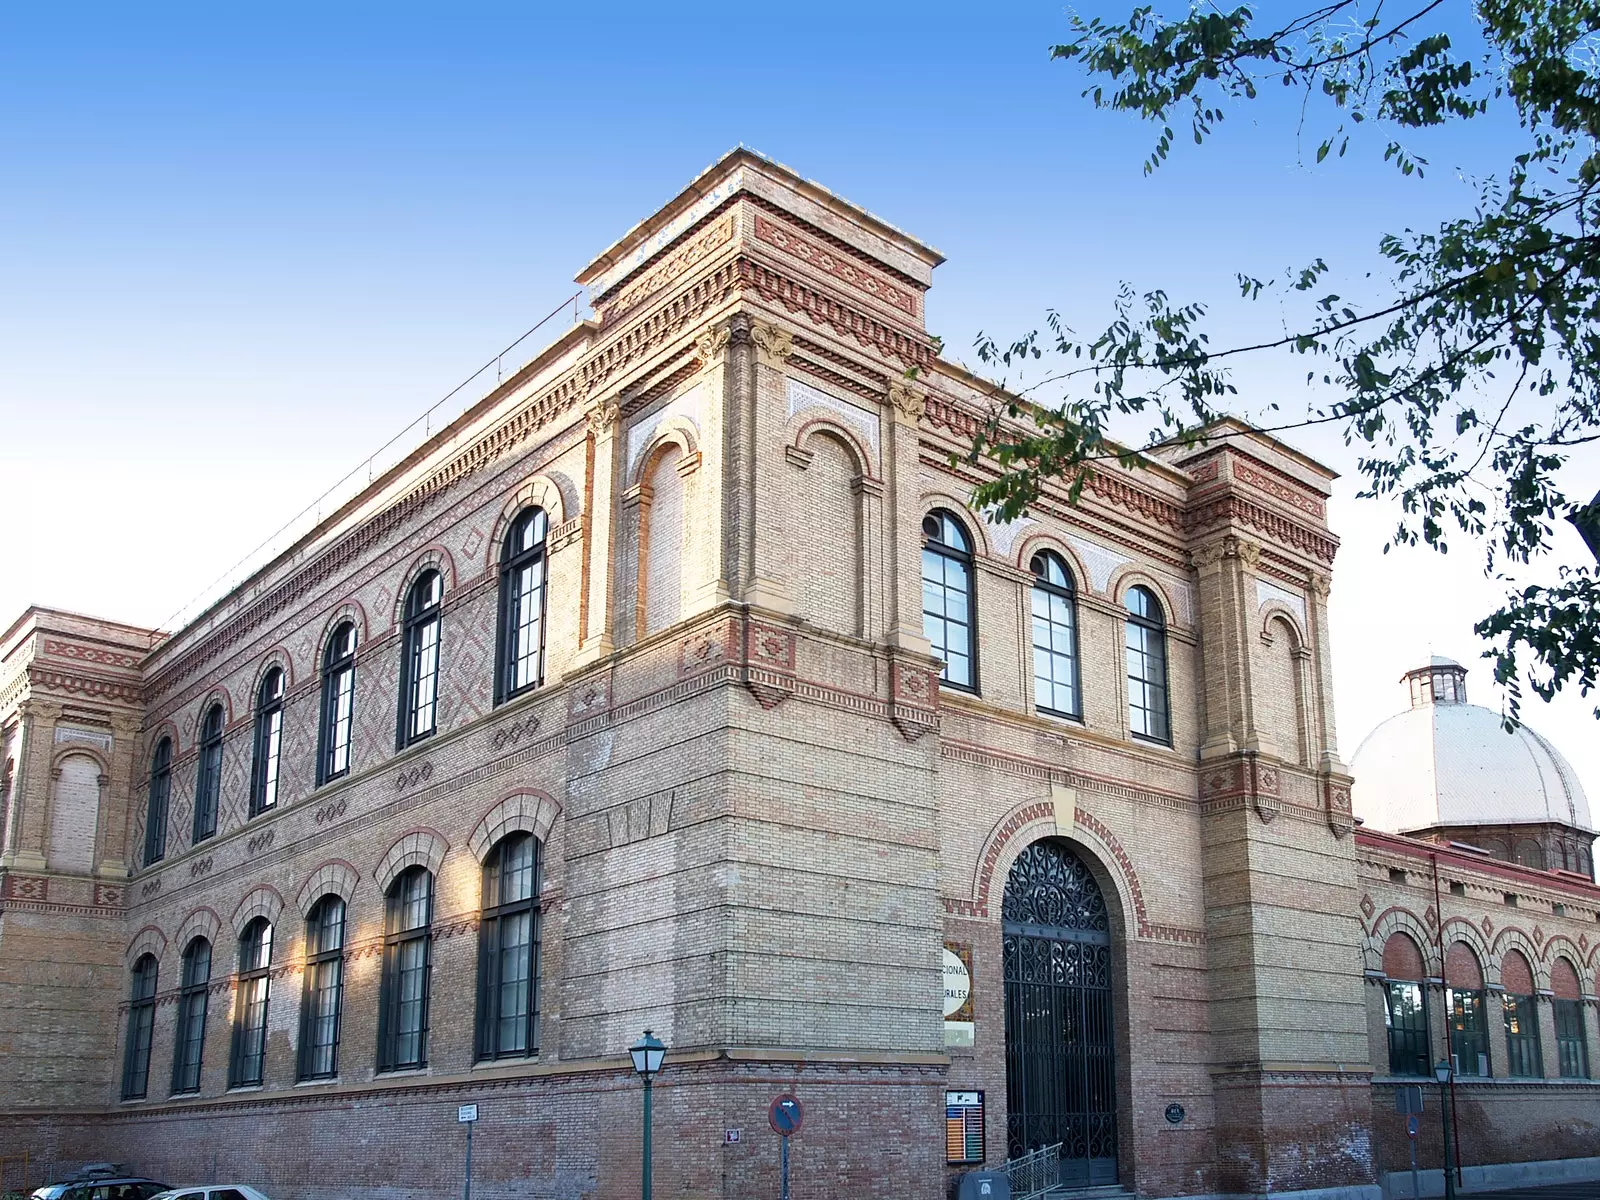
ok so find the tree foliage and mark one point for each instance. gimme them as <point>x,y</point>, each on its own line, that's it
<point>1471,379</point>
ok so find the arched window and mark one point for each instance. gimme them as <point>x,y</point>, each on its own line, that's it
<point>324,990</point>
<point>1147,667</point>
<point>1572,1047</point>
<point>155,825</point>
<point>407,950</point>
<point>949,610</point>
<point>522,597</point>
<point>1464,1003</point>
<point>508,950</point>
<point>1055,637</point>
<point>250,1013</point>
<point>141,1025</point>
<point>269,742</point>
<point>190,1043</point>
<point>419,662</point>
<point>338,703</point>
<point>1524,1057</point>
<point>208,779</point>
<point>1403,1013</point>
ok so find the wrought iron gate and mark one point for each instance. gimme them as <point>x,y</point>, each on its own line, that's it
<point>1060,1037</point>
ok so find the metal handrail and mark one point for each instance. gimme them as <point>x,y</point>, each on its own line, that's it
<point>1034,1173</point>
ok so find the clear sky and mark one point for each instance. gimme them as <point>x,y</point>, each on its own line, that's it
<point>241,247</point>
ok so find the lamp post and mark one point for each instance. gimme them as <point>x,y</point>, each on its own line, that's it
<point>1441,1072</point>
<point>647,1054</point>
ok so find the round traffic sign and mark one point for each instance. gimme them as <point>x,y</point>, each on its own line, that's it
<point>1411,1125</point>
<point>786,1116</point>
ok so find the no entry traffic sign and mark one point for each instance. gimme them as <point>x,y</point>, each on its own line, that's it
<point>786,1115</point>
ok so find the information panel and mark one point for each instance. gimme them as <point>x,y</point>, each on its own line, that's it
<point>963,1128</point>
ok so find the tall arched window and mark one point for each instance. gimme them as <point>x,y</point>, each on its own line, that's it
<point>1404,1014</point>
<point>338,703</point>
<point>208,777</point>
<point>1147,667</point>
<point>1524,1056</point>
<point>250,1014</point>
<point>1572,1047</point>
<point>155,825</point>
<point>948,606</point>
<point>269,742</point>
<point>1055,637</point>
<point>189,1047</point>
<point>508,950</point>
<point>407,950</point>
<point>141,1025</point>
<point>322,1002</point>
<point>520,663</point>
<point>1464,1003</point>
<point>419,662</point>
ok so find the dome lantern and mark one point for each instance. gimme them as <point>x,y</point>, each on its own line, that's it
<point>1437,681</point>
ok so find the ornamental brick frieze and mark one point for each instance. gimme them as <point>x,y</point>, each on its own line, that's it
<point>825,310</point>
<point>98,655</point>
<point>830,261</point>
<point>699,248</point>
<point>51,679</point>
<point>24,887</point>
<point>914,698</point>
<point>834,369</point>
<point>1234,783</point>
<point>769,671</point>
<point>1336,800</point>
<point>1317,544</point>
<point>1269,482</point>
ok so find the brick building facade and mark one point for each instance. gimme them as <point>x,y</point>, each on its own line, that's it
<point>701,682</point>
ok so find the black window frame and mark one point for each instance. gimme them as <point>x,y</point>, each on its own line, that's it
<point>497,913</point>
<point>398,941</point>
<point>1067,592</point>
<point>514,561</point>
<point>190,1032</point>
<point>267,759</point>
<point>937,548</point>
<point>324,977</point>
<point>160,799</point>
<point>1523,1050</point>
<point>1407,1041</point>
<point>247,1060</point>
<point>1572,1040</point>
<point>423,617</point>
<point>1467,1016</point>
<point>1150,626</point>
<point>208,775</point>
<point>336,726</point>
<point>141,1027</point>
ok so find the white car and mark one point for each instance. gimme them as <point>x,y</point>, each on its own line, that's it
<point>213,1191</point>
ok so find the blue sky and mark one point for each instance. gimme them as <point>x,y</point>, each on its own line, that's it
<point>242,246</point>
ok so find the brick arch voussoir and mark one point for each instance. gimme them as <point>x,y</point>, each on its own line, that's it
<point>674,431</point>
<point>262,901</point>
<point>1131,575</point>
<point>1462,929</point>
<point>348,609</point>
<point>1559,945</point>
<point>1514,938</point>
<point>80,750</point>
<point>434,558</point>
<point>335,877</point>
<point>164,728</point>
<point>1036,540</point>
<point>803,429</point>
<point>277,656</point>
<point>1277,610</point>
<point>149,940</point>
<point>416,847</point>
<point>202,922</point>
<point>217,695</point>
<point>522,811</point>
<point>970,520</point>
<point>1400,919</point>
<point>538,491</point>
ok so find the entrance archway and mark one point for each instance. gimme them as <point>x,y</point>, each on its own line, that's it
<point>1061,1077</point>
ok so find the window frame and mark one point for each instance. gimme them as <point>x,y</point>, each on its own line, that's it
<point>423,616</point>
<point>491,925</point>
<point>1156,627</point>
<point>1572,1045</point>
<point>1467,1044</point>
<point>267,758</point>
<point>322,961</point>
<point>964,556</point>
<point>514,561</point>
<point>193,994</point>
<point>1068,593</point>
<point>141,1027</point>
<point>247,1060</point>
<point>391,997</point>
<point>158,802</point>
<point>1407,1040</point>
<point>208,775</point>
<point>1522,1048</point>
<point>336,727</point>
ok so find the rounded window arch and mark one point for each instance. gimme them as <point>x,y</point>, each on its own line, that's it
<point>1524,1056</point>
<point>247,1063</point>
<point>208,775</point>
<point>268,739</point>
<point>141,1027</point>
<point>190,1037</point>
<point>1404,1014</point>
<point>508,949</point>
<point>419,659</point>
<point>1466,1011</point>
<point>155,824</point>
<point>338,703</point>
<point>520,661</point>
<point>407,962</point>
<point>949,604</point>
<point>1056,675</point>
<point>322,1001</point>
<point>1149,711</point>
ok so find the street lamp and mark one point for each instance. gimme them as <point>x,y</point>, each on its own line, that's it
<point>647,1054</point>
<point>1441,1072</point>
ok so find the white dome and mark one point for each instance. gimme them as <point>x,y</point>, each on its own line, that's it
<point>1447,762</point>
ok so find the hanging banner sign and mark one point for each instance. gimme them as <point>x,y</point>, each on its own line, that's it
<point>958,1024</point>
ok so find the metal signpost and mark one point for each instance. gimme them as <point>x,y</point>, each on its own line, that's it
<point>467,1114</point>
<point>785,1116</point>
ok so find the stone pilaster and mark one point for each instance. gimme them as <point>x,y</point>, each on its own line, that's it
<point>765,587</point>
<point>903,519</point>
<point>1226,608</point>
<point>599,578</point>
<point>30,793</point>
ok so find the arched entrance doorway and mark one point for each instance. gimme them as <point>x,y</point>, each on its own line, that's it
<point>1061,1078</point>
